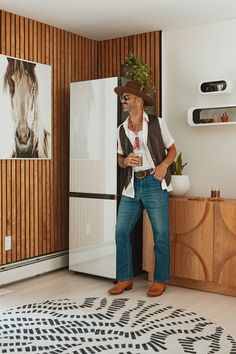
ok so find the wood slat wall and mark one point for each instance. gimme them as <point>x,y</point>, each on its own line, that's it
<point>111,54</point>
<point>34,193</point>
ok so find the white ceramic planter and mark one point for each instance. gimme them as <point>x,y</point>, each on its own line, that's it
<point>180,184</point>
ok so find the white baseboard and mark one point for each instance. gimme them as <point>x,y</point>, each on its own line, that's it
<point>32,267</point>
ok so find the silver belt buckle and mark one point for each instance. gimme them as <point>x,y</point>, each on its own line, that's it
<point>141,174</point>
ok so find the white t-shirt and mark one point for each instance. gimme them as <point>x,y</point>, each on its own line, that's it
<point>147,159</point>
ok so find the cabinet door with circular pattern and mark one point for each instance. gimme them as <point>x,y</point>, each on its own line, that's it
<point>225,243</point>
<point>194,239</point>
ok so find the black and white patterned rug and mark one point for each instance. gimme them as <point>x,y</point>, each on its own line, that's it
<point>109,325</point>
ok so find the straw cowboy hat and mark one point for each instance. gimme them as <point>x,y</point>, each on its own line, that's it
<point>136,89</point>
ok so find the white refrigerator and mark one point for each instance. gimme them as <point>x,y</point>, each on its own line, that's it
<point>93,176</point>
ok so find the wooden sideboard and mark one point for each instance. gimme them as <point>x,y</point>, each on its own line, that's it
<point>203,244</point>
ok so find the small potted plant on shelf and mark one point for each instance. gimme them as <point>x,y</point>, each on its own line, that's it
<point>224,117</point>
<point>180,182</point>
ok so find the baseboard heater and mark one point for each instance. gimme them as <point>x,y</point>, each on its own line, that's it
<point>16,271</point>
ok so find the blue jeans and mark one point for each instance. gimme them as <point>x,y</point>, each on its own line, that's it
<point>148,195</point>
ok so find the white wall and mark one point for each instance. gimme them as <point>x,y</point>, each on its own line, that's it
<point>190,56</point>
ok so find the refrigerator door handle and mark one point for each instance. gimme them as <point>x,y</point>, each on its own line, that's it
<point>92,195</point>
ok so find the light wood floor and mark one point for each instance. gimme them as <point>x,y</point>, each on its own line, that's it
<point>65,284</point>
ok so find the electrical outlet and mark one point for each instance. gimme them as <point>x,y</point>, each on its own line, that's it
<point>88,229</point>
<point>7,243</point>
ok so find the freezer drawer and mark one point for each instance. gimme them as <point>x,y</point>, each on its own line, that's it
<point>92,236</point>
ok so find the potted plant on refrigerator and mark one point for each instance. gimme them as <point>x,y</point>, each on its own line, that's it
<point>135,69</point>
<point>180,182</point>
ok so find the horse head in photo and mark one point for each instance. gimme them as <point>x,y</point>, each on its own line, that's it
<point>31,139</point>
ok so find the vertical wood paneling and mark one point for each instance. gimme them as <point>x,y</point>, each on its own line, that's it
<point>62,160</point>
<point>22,208</point>
<point>8,211</point>
<point>8,34</point>
<point>26,38</point>
<point>4,206</point>
<point>44,200</point>
<point>53,194</point>
<point>57,144</point>
<point>36,207</point>
<point>18,213</point>
<point>27,209</point>
<point>157,78</point>
<point>32,212</point>
<point>34,193</point>
<point>40,207</point>
<point>48,207</point>
<point>111,54</point>
<point>12,195</point>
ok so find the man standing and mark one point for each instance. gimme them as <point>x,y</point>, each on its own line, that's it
<point>145,150</point>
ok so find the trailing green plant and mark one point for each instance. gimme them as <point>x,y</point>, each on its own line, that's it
<point>139,71</point>
<point>177,166</point>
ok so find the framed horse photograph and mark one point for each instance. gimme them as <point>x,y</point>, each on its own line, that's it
<point>25,109</point>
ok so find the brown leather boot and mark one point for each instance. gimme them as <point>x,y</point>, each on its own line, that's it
<point>156,289</point>
<point>120,287</point>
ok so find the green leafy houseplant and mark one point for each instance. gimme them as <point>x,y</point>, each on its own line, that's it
<point>136,69</point>
<point>177,166</point>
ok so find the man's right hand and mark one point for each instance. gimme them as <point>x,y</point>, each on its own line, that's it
<point>131,160</point>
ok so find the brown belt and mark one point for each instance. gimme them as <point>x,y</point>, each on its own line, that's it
<point>143,174</point>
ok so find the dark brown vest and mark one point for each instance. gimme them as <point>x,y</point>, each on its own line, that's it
<point>154,143</point>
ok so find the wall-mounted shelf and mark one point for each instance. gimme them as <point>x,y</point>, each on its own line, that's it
<point>216,87</point>
<point>211,116</point>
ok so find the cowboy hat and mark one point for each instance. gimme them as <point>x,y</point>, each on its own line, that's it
<point>137,89</point>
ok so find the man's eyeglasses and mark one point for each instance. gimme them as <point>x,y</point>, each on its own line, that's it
<point>124,98</point>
